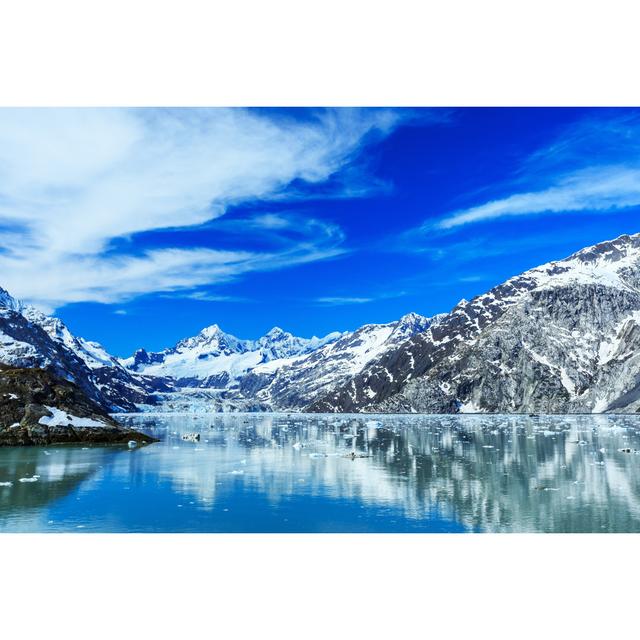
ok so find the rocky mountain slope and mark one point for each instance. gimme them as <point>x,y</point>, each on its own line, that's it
<point>30,339</point>
<point>295,384</point>
<point>561,338</point>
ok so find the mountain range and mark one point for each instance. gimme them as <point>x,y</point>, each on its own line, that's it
<point>560,338</point>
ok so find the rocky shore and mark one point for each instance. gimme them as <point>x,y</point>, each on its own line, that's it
<point>39,408</point>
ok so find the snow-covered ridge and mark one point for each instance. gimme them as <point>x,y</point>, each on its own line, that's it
<point>8,302</point>
<point>31,339</point>
<point>607,264</point>
<point>213,353</point>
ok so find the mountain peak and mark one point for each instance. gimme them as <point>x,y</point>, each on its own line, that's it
<point>211,330</point>
<point>7,301</point>
<point>411,317</point>
<point>213,337</point>
<point>275,332</point>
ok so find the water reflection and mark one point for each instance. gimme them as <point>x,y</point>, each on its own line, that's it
<point>31,478</point>
<point>266,472</point>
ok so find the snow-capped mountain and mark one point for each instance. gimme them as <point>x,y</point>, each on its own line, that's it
<point>215,359</point>
<point>296,383</point>
<point>561,338</point>
<point>217,371</point>
<point>30,339</point>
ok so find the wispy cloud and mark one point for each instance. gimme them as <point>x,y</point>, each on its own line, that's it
<point>205,296</point>
<point>597,189</point>
<point>593,166</point>
<point>72,182</point>
<point>335,301</point>
<point>339,301</point>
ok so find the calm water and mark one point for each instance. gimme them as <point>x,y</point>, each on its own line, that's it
<point>278,473</point>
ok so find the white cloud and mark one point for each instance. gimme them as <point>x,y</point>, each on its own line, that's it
<point>74,180</point>
<point>344,300</point>
<point>593,165</point>
<point>339,301</point>
<point>601,189</point>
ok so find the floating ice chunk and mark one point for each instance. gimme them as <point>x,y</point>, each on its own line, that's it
<point>33,479</point>
<point>6,484</point>
<point>237,472</point>
<point>487,446</point>
<point>298,445</point>
<point>132,444</point>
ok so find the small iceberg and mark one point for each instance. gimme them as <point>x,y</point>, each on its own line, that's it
<point>132,444</point>
<point>32,479</point>
<point>191,437</point>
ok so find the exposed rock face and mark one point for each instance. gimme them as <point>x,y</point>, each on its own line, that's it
<point>38,408</point>
<point>562,338</point>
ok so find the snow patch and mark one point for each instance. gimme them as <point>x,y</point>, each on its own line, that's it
<point>62,418</point>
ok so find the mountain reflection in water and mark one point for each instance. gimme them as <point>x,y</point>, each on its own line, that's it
<point>273,472</point>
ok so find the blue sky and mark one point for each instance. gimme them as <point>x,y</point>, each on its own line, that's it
<point>140,227</point>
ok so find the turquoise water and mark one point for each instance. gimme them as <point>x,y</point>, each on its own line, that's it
<point>310,473</point>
